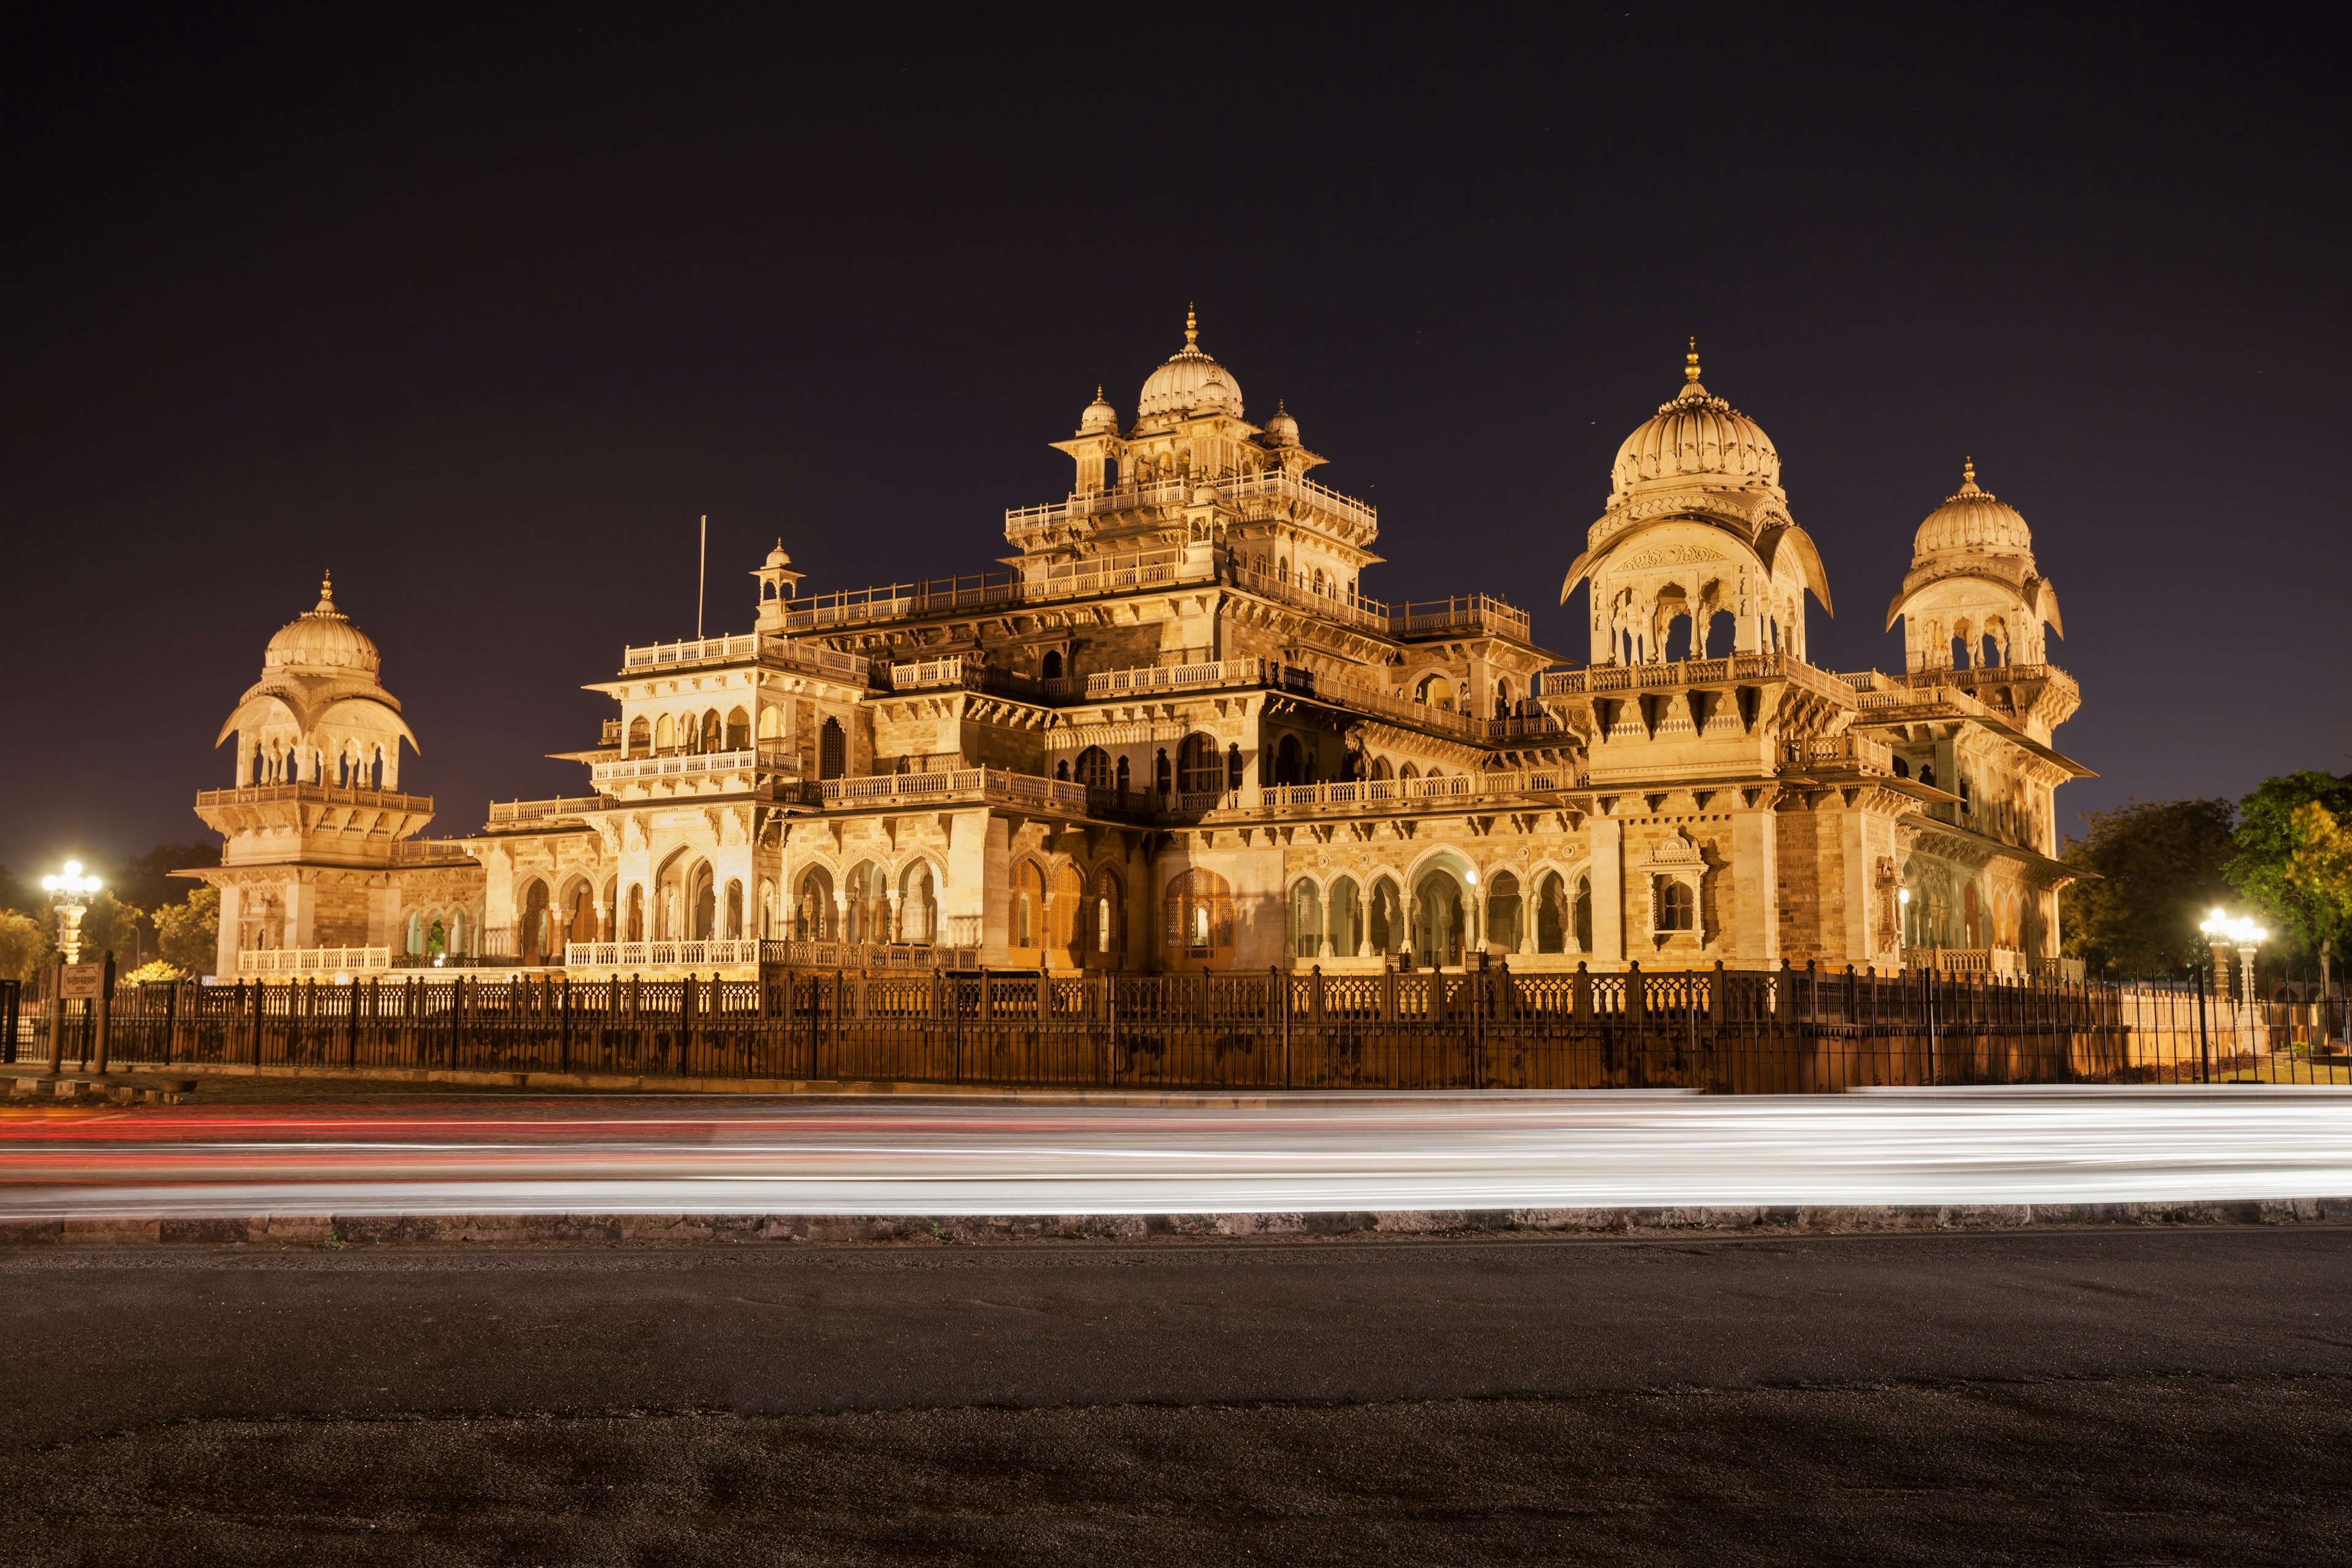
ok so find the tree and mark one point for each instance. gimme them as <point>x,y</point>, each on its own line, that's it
<point>2283,864</point>
<point>23,948</point>
<point>188,933</point>
<point>146,880</point>
<point>2159,867</point>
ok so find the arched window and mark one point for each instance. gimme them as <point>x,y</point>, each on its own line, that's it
<point>1435,691</point>
<point>1287,768</point>
<point>768,914</point>
<point>1062,770</point>
<point>1066,933</point>
<point>1233,766</point>
<point>1199,769</point>
<point>739,731</point>
<point>702,905</point>
<point>833,751</point>
<point>1094,768</point>
<point>1381,769</point>
<point>1582,907</point>
<point>732,911</point>
<point>1443,923</point>
<point>1050,666</point>
<point>1552,916</point>
<point>813,910</point>
<point>1107,922</point>
<point>1503,698</point>
<point>1343,918</point>
<point>919,904</point>
<point>1162,779</point>
<point>1199,916</point>
<point>437,939</point>
<point>714,732</point>
<point>1902,768</point>
<point>415,932</point>
<point>641,737</point>
<point>1305,920</point>
<point>1408,772</point>
<point>1676,907</point>
<point>1025,918</point>
<point>1122,775</point>
<point>1503,913</point>
<point>637,927</point>
<point>771,723</point>
<point>1386,924</point>
<point>533,946</point>
<point>868,904</point>
<point>664,735</point>
<point>1320,592</point>
<point>1928,774</point>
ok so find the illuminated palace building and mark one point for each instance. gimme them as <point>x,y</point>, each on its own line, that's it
<point>1179,733</point>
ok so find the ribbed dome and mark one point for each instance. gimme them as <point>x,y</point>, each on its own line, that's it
<point>322,642</point>
<point>1099,416</point>
<point>1189,382</point>
<point>1281,430</point>
<point>1697,436</point>
<point>1972,522</point>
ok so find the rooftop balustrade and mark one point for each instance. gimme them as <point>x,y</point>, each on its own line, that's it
<point>1466,615</point>
<point>780,653</point>
<point>313,794</point>
<point>1250,495</point>
<point>766,757</point>
<point>431,851</point>
<point>314,961</point>
<point>517,813</point>
<point>1605,679</point>
<point>1839,752</point>
<point>1410,792</point>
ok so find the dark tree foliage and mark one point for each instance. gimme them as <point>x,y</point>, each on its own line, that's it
<point>2159,865</point>
<point>2265,842</point>
<point>145,881</point>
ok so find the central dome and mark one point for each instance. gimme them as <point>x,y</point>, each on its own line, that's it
<point>1696,436</point>
<point>1189,382</point>
<point>1972,522</point>
<point>323,642</point>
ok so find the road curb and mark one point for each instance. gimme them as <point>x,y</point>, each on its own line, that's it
<point>727,1229</point>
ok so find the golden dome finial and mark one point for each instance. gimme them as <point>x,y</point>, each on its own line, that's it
<point>1191,326</point>
<point>1690,360</point>
<point>326,590</point>
<point>1967,471</point>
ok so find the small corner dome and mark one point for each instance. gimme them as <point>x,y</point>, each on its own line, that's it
<point>1189,382</point>
<point>1100,418</point>
<point>1972,522</point>
<point>1281,430</point>
<point>322,642</point>
<point>777,557</point>
<point>1699,437</point>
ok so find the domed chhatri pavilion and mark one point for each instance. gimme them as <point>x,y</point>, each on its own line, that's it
<point>1180,733</point>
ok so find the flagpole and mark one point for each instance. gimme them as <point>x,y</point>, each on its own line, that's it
<point>702,571</point>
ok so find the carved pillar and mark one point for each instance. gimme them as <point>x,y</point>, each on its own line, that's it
<point>1606,838</point>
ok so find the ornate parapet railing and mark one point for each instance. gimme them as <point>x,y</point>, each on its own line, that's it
<point>739,953</point>
<point>781,653</point>
<point>1249,494</point>
<point>1839,752</point>
<point>1465,615</point>
<point>767,757</point>
<point>1417,791</point>
<point>962,783</point>
<point>1605,679</point>
<point>2004,962</point>
<point>1088,577</point>
<point>511,814</point>
<point>314,961</point>
<point>314,794</point>
<point>434,852</point>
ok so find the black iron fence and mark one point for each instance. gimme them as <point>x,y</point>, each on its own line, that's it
<point>1792,1030</point>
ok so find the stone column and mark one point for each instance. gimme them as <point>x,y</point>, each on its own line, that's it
<point>224,953</point>
<point>1753,918</point>
<point>1606,837</point>
<point>301,912</point>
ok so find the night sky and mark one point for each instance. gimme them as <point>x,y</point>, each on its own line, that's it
<point>484,314</point>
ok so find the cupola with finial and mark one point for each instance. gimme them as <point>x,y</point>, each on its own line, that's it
<point>778,584</point>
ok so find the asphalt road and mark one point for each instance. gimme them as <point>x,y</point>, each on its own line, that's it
<point>2105,1397</point>
<point>830,1154</point>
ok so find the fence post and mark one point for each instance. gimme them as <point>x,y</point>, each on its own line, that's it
<point>563,1004</point>
<point>104,1008</point>
<point>351,1026</point>
<point>1715,1008</point>
<point>1579,992</point>
<point>1282,1000</point>
<point>258,1006</point>
<point>2204,1046</point>
<point>57,1015</point>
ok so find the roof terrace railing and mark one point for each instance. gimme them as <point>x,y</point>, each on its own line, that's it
<point>1600,680</point>
<point>319,793</point>
<point>510,812</point>
<point>1086,577</point>
<point>431,851</point>
<point>780,652</point>
<point>766,757</point>
<point>1233,490</point>
<point>1473,614</point>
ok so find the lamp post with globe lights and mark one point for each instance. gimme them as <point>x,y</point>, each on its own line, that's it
<point>2222,930</point>
<point>70,892</point>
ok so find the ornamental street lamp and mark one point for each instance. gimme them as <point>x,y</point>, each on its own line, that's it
<point>2221,929</point>
<point>71,893</point>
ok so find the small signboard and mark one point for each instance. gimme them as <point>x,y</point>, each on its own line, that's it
<point>82,982</point>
